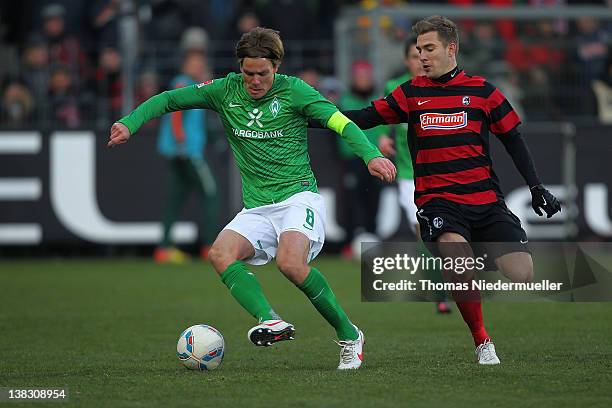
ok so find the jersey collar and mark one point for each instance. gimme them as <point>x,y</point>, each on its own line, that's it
<point>449,76</point>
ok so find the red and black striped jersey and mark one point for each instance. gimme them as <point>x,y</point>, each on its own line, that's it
<point>448,134</point>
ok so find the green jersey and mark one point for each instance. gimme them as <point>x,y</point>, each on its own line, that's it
<point>350,101</point>
<point>402,153</point>
<point>268,136</point>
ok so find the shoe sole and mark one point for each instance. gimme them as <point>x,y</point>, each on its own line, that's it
<point>263,337</point>
<point>494,362</point>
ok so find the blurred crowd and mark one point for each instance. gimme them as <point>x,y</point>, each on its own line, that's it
<point>62,59</point>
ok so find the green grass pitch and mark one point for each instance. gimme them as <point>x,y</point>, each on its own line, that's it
<point>107,331</point>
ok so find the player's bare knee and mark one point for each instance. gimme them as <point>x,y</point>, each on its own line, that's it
<point>215,256</point>
<point>518,267</point>
<point>529,275</point>
<point>519,275</point>
<point>220,258</point>
<point>295,270</point>
<point>526,274</point>
<point>453,245</point>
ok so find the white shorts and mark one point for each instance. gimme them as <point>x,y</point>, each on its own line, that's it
<point>406,200</point>
<point>262,226</point>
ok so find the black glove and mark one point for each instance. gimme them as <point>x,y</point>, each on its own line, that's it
<point>542,199</point>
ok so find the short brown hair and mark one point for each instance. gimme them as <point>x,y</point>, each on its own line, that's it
<point>261,43</point>
<point>446,29</point>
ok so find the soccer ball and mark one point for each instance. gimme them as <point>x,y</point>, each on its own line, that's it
<point>200,347</point>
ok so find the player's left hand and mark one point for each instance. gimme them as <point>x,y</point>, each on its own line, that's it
<point>382,168</point>
<point>542,199</point>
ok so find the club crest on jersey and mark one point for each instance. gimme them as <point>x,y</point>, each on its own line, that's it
<point>204,83</point>
<point>443,120</point>
<point>466,100</point>
<point>275,107</point>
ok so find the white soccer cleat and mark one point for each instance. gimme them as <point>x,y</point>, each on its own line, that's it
<point>351,354</point>
<point>485,353</point>
<point>269,332</point>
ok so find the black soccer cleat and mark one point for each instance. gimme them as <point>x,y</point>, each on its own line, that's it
<point>269,332</point>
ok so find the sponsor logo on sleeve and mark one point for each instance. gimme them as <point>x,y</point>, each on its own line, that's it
<point>204,83</point>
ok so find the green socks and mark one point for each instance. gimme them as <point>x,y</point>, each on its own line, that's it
<point>245,288</point>
<point>322,297</point>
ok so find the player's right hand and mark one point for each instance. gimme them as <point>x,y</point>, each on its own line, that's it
<point>119,133</point>
<point>386,146</point>
<point>542,199</point>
